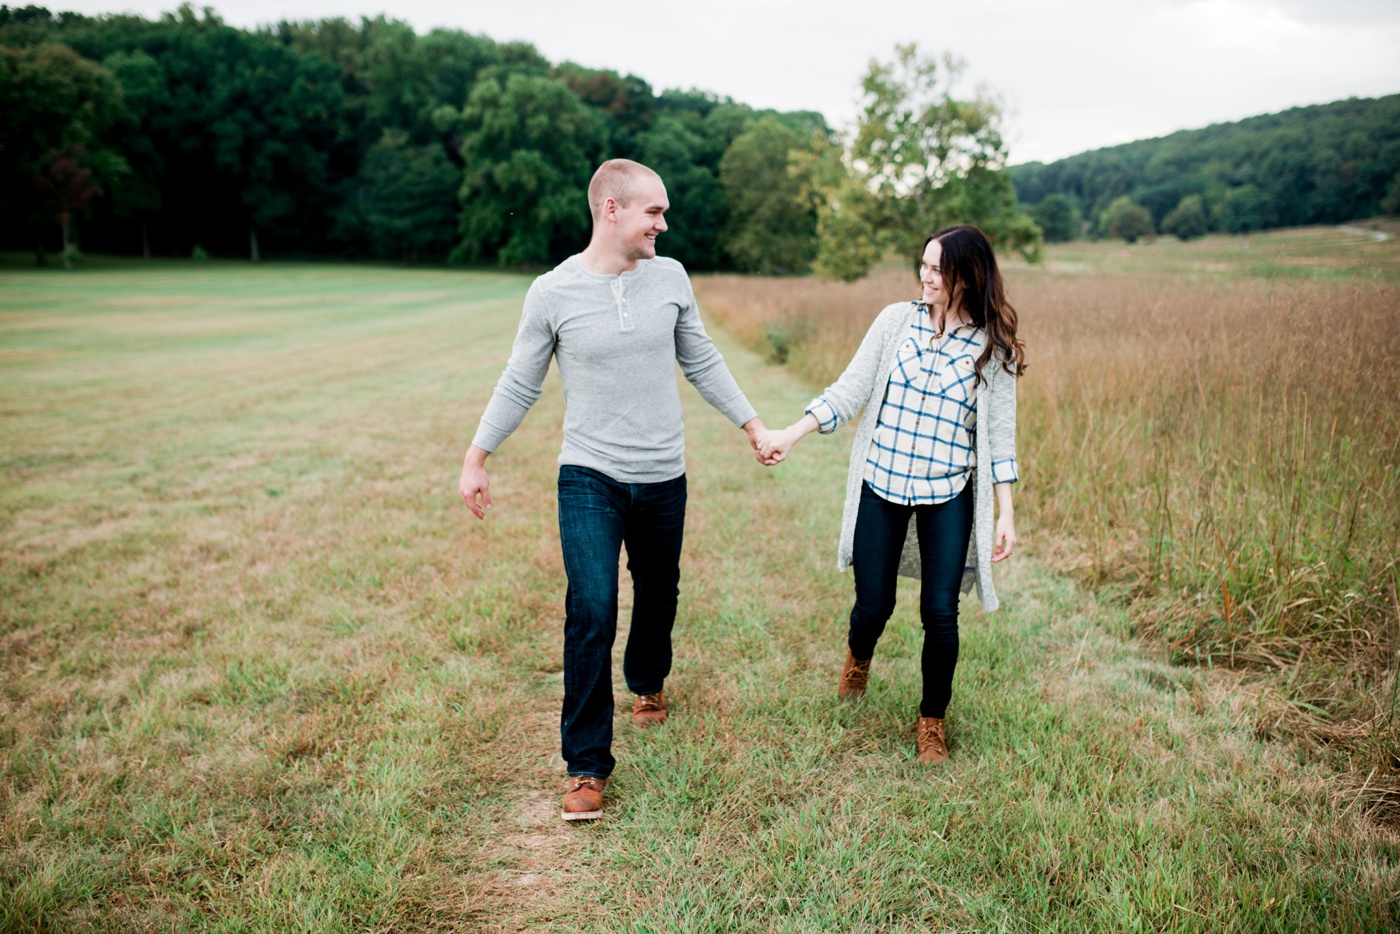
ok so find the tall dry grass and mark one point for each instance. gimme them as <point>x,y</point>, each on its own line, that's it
<point>1225,454</point>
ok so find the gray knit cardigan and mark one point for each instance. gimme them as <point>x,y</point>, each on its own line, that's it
<point>862,386</point>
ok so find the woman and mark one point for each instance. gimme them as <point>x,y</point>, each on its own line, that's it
<point>937,380</point>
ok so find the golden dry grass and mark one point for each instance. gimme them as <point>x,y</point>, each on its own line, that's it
<point>1218,448</point>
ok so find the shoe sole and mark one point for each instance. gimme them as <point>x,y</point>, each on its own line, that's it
<point>580,815</point>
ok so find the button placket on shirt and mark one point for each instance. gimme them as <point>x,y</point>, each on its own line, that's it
<point>624,316</point>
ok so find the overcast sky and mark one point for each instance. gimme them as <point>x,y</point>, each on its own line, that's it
<point>1074,75</point>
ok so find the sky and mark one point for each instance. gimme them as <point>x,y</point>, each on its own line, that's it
<point>1072,75</point>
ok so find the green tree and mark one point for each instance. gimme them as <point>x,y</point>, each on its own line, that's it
<point>145,94</point>
<point>1058,217</point>
<point>1125,218</point>
<point>64,187</point>
<point>920,159</point>
<point>698,207</point>
<point>627,103</point>
<point>529,148</point>
<point>273,117</point>
<point>1187,220</point>
<point>56,152</point>
<point>772,223</point>
<point>1245,209</point>
<point>1390,204</point>
<point>405,199</point>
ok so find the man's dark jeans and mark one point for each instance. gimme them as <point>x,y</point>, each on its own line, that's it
<point>597,516</point>
<point>943,532</point>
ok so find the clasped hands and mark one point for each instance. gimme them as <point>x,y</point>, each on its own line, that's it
<point>770,445</point>
<point>773,446</point>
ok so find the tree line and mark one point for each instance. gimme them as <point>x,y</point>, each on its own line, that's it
<point>1323,164</point>
<point>185,135</point>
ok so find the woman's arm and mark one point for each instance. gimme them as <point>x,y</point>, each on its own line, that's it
<point>774,445</point>
<point>853,388</point>
<point>1004,537</point>
<point>1001,435</point>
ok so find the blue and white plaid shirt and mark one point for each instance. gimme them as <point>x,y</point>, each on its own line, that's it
<point>923,452</point>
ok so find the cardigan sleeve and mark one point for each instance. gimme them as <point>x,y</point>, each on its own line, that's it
<point>1001,430</point>
<point>843,400</point>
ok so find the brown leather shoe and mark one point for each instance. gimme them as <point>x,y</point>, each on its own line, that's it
<point>933,746</point>
<point>583,797</point>
<point>649,709</point>
<point>854,675</point>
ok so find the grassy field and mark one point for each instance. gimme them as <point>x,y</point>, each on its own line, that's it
<point>263,672</point>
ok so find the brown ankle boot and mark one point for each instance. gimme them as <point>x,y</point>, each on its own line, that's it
<point>854,675</point>
<point>933,746</point>
<point>583,797</point>
<point>649,709</point>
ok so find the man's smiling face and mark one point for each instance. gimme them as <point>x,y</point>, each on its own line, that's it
<point>642,219</point>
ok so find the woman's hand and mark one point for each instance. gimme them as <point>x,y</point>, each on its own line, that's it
<point>774,445</point>
<point>1004,535</point>
<point>1003,539</point>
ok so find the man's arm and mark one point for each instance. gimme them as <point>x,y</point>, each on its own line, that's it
<point>474,483</point>
<point>704,367</point>
<point>517,390</point>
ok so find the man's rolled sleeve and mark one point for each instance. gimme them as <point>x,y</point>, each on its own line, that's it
<point>821,410</point>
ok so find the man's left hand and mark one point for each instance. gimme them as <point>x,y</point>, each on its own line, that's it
<point>755,429</point>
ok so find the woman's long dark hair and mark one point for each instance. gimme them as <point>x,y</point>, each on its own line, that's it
<point>968,261</point>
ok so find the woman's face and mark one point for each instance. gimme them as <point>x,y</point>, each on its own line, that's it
<point>932,276</point>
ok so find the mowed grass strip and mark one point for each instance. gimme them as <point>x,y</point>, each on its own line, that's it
<point>262,672</point>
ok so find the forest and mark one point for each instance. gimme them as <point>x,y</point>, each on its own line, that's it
<point>1325,164</point>
<point>185,136</point>
<point>332,138</point>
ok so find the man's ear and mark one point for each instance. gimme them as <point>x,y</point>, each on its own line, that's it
<point>610,209</point>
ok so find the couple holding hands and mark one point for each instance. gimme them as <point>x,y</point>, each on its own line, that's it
<point>928,494</point>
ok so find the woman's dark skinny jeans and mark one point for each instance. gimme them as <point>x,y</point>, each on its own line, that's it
<point>597,516</point>
<point>943,531</point>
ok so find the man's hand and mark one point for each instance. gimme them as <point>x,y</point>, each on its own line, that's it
<point>755,429</point>
<point>475,483</point>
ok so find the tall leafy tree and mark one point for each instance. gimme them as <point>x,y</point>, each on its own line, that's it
<point>772,222</point>
<point>56,146</point>
<point>1246,209</point>
<point>1187,220</point>
<point>1125,218</point>
<point>698,208</point>
<point>921,159</point>
<point>405,199</point>
<point>1058,217</point>
<point>529,148</point>
<point>273,118</point>
<point>627,103</point>
<point>145,94</point>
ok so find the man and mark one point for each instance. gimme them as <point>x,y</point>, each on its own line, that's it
<point>618,318</point>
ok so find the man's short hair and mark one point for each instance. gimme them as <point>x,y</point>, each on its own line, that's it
<point>616,179</point>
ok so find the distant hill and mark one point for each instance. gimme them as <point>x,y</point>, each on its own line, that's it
<point>1310,165</point>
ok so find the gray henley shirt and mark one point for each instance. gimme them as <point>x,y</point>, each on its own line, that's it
<point>618,340</point>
